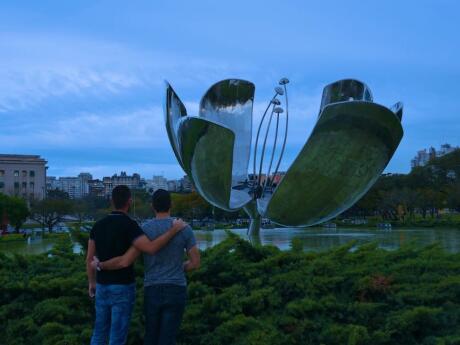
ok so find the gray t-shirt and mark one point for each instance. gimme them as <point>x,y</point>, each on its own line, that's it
<point>166,266</point>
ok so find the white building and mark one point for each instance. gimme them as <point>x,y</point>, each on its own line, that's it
<point>446,149</point>
<point>185,184</point>
<point>172,185</point>
<point>23,175</point>
<point>133,182</point>
<point>424,156</point>
<point>76,187</point>
<point>157,182</point>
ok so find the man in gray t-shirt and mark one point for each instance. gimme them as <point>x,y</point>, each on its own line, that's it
<point>165,291</point>
<point>166,266</point>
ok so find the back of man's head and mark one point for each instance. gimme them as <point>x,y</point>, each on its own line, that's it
<point>161,201</point>
<point>120,196</point>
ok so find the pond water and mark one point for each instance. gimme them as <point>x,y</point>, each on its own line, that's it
<point>37,246</point>
<point>317,239</point>
<point>313,239</point>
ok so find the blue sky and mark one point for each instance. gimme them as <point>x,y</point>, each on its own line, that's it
<point>81,82</point>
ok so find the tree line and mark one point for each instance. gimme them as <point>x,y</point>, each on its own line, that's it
<point>395,197</point>
<point>425,191</point>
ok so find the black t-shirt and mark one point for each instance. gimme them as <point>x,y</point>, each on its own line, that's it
<point>113,235</point>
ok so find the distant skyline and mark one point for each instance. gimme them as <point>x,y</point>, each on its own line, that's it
<point>81,83</point>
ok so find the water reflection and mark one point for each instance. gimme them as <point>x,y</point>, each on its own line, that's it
<point>317,239</point>
<point>37,246</point>
<point>313,239</point>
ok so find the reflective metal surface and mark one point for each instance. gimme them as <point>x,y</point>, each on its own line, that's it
<point>347,151</point>
<point>201,143</point>
<point>344,91</point>
<point>229,103</point>
<point>215,154</point>
<point>174,111</point>
<point>350,146</point>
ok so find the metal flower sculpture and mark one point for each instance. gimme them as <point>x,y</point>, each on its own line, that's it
<point>350,146</point>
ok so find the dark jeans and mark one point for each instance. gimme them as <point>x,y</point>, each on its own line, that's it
<point>114,305</point>
<point>164,306</point>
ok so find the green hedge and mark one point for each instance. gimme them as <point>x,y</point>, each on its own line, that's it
<point>255,295</point>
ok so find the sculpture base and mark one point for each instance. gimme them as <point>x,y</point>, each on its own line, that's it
<point>254,227</point>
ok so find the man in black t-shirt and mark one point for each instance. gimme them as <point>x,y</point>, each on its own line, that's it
<point>110,237</point>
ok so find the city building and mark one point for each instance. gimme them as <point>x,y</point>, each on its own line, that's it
<point>159,182</point>
<point>75,187</point>
<point>172,185</point>
<point>96,188</point>
<point>424,156</point>
<point>185,185</point>
<point>133,182</point>
<point>445,149</point>
<point>421,159</point>
<point>23,175</point>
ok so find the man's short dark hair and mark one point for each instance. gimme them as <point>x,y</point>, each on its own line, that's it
<point>161,200</point>
<point>120,196</point>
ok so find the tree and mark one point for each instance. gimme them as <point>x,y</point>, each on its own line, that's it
<point>49,212</point>
<point>57,194</point>
<point>13,210</point>
<point>80,210</point>
<point>17,212</point>
<point>453,197</point>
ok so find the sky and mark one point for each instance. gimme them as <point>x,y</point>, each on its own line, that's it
<point>82,82</point>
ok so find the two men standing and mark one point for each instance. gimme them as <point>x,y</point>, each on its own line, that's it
<point>117,241</point>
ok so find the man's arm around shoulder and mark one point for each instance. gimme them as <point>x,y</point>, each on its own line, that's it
<point>141,244</point>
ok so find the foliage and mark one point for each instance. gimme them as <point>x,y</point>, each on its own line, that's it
<point>255,295</point>
<point>12,238</point>
<point>424,191</point>
<point>50,211</point>
<point>57,194</point>
<point>14,209</point>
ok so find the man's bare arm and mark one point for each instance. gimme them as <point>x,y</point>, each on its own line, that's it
<point>143,243</point>
<point>90,271</point>
<point>193,261</point>
<point>120,261</point>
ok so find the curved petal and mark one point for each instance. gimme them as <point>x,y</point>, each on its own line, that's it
<point>347,151</point>
<point>229,103</point>
<point>207,155</point>
<point>397,108</point>
<point>345,90</point>
<point>174,111</point>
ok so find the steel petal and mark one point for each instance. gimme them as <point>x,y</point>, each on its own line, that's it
<point>347,151</point>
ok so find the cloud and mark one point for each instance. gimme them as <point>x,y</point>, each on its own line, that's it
<point>142,127</point>
<point>35,68</point>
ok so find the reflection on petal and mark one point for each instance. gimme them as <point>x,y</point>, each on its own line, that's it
<point>174,111</point>
<point>207,153</point>
<point>347,151</point>
<point>229,103</point>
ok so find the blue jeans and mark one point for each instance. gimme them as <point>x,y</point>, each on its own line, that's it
<point>164,306</point>
<point>114,305</point>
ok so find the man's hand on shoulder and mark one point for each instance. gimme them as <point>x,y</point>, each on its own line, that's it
<point>179,225</point>
<point>145,245</point>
